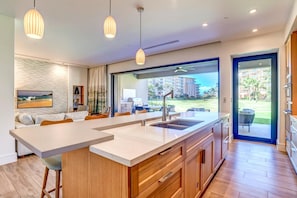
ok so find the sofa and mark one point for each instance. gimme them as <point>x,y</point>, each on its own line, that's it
<point>34,120</point>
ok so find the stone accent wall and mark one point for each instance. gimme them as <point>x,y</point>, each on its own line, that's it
<point>44,76</point>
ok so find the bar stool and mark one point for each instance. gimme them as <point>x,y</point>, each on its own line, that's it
<point>92,117</point>
<point>116,114</point>
<point>52,163</point>
<point>140,111</point>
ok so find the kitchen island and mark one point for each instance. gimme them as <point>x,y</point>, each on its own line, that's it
<point>143,160</point>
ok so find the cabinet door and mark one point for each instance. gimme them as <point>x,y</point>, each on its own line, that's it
<point>217,132</point>
<point>207,161</point>
<point>288,143</point>
<point>294,130</point>
<point>294,156</point>
<point>193,174</point>
<point>225,138</point>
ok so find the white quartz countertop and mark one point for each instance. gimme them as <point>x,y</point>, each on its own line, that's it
<point>46,141</point>
<point>135,143</point>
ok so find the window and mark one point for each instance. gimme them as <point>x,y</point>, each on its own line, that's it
<point>195,86</point>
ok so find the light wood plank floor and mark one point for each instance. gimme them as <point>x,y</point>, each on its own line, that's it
<point>250,170</point>
<point>254,170</point>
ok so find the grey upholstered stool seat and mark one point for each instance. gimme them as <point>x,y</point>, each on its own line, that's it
<point>53,163</point>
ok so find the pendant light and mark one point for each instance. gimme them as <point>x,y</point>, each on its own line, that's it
<point>140,55</point>
<point>33,24</point>
<point>110,26</point>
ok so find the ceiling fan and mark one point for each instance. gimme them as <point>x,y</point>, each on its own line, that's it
<point>182,69</point>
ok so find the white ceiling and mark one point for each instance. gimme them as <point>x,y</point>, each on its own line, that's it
<point>74,29</point>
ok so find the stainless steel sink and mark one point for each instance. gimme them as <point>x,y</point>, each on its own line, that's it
<point>179,124</point>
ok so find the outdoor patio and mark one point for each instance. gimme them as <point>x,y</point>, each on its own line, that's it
<point>256,130</point>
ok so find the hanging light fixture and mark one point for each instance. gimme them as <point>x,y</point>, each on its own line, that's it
<point>140,55</point>
<point>110,26</point>
<point>33,24</point>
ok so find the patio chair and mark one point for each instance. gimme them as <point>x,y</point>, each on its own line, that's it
<point>246,118</point>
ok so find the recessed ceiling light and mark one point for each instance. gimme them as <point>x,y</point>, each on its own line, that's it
<point>253,11</point>
<point>204,24</point>
<point>255,30</point>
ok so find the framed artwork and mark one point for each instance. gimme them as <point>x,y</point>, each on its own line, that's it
<point>34,99</point>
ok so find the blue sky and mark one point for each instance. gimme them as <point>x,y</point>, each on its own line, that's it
<point>206,80</point>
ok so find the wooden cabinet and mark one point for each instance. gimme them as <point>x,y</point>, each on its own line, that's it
<point>207,165</point>
<point>193,187</point>
<point>182,170</point>
<point>225,137</point>
<point>218,137</point>
<point>291,96</point>
<point>292,148</point>
<point>221,138</point>
<point>159,175</point>
<point>199,162</point>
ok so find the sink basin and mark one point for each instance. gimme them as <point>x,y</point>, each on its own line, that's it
<point>179,124</point>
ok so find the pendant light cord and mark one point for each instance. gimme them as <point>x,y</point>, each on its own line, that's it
<point>34,4</point>
<point>140,29</point>
<point>109,7</point>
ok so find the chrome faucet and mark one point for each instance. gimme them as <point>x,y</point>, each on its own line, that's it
<point>164,105</point>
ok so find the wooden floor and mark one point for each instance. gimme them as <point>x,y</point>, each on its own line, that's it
<point>250,170</point>
<point>254,170</point>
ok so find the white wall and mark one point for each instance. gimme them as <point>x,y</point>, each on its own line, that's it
<point>225,51</point>
<point>128,81</point>
<point>7,150</point>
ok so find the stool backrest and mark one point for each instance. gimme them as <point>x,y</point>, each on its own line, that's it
<point>50,122</point>
<point>121,113</point>
<point>140,111</point>
<point>93,117</point>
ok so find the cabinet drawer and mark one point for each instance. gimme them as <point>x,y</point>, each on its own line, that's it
<point>171,185</point>
<point>288,148</point>
<point>225,146</point>
<point>293,124</point>
<point>294,135</point>
<point>146,176</point>
<point>288,142</point>
<point>294,156</point>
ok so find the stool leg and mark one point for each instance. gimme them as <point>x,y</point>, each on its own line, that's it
<point>44,182</point>
<point>57,183</point>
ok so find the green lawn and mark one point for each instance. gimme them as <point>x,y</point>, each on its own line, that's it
<point>262,108</point>
<point>183,105</point>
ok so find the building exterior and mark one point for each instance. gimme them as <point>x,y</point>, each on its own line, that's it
<point>181,86</point>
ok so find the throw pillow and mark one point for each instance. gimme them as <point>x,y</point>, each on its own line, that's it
<point>25,118</point>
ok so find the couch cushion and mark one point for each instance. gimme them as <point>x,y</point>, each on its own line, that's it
<point>51,117</point>
<point>25,118</point>
<point>78,115</point>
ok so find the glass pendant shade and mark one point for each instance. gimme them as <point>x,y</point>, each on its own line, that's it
<point>33,24</point>
<point>140,57</point>
<point>110,27</point>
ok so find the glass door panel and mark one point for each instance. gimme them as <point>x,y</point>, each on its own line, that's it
<point>255,98</point>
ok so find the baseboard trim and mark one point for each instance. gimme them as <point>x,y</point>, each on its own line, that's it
<point>281,147</point>
<point>9,158</point>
